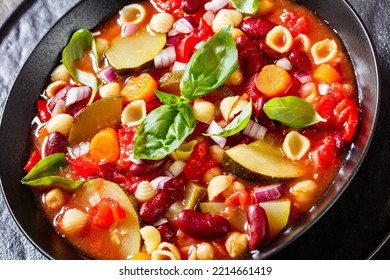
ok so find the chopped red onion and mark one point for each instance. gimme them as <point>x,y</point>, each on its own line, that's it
<point>179,66</point>
<point>268,192</point>
<point>215,128</point>
<point>183,26</point>
<point>176,168</point>
<point>161,182</point>
<point>284,63</point>
<point>129,29</point>
<point>173,33</point>
<point>59,95</point>
<point>209,16</point>
<point>216,5</point>
<point>79,150</point>
<point>303,77</point>
<point>255,130</point>
<point>59,108</point>
<point>165,58</point>
<point>77,94</point>
<point>323,88</point>
<point>107,75</point>
<point>173,40</point>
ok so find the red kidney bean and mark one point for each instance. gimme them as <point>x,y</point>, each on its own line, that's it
<point>152,211</point>
<point>251,88</point>
<point>299,60</point>
<point>56,143</point>
<point>147,167</point>
<point>191,6</point>
<point>268,54</point>
<point>258,230</point>
<point>257,28</point>
<point>167,233</point>
<point>202,225</point>
<point>249,56</point>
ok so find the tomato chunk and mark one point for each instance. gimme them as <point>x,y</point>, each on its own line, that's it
<point>105,213</point>
<point>199,162</point>
<point>43,113</point>
<point>33,160</point>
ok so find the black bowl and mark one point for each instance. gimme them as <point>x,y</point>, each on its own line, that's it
<point>33,77</point>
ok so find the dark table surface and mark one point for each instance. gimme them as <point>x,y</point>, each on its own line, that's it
<point>358,224</point>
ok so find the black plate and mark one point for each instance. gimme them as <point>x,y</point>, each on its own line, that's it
<point>45,57</point>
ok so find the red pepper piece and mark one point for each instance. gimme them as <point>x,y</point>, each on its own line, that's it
<point>84,167</point>
<point>239,198</point>
<point>43,113</point>
<point>186,47</point>
<point>199,162</point>
<point>35,157</point>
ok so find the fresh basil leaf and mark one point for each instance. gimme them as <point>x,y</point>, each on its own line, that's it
<point>57,181</point>
<point>211,65</point>
<point>163,130</point>
<point>292,111</point>
<point>248,7</point>
<point>46,167</point>
<point>169,99</point>
<point>239,123</point>
<point>81,41</point>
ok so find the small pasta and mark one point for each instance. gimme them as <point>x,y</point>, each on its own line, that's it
<point>60,73</point>
<point>231,106</point>
<point>226,17</point>
<point>54,199</point>
<point>162,23</point>
<point>218,184</point>
<point>112,89</point>
<point>279,39</point>
<point>184,151</point>
<point>134,113</point>
<point>295,145</point>
<point>145,192</point>
<point>236,244</point>
<point>54,87</point>
<point>235,186</point>
<point>133,13</point>
<point>73,221</point>
<point>166,251</point>
<point>203,111</point>
<point>324,51</point>
<point>61,123</point>
<point>151,237</point>
<point>204,251</point>
<point>304,41</point>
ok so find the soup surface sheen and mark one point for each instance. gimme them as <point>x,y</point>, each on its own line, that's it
<point>180,130</point>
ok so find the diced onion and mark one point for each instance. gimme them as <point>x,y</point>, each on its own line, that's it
<point>179,66</point>
<point>255,130</point>
<point>79,150</point>
<point>129,29</point>
<point>284,63</point>
<point>59,108</point>
<point>176,168</point>
<point>94,199</point>
<point>161,182</point>
<point>183,25</point>
<point>215,128</point>
<point>173,40</point>
<point>209,16</point>
<point>268,192</point>
<point>303,77</point>
<point>76,94</point>
<point>165,58</point>
<point>107,75</point>
<point>323,88</point>
<point>216,5</point>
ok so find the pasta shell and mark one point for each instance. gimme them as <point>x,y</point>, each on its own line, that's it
<point>54,87</point>
<point>151,237</point>
<point>166,251</point>
<point>145,192</point>
<point>226,17</point>
<point>279,39</point>
<point>227,105</point>
<point>61,123</point>
<point>324,51</point>
<point>295,145</point>
<point>162,23</point>
<point>237,108</point>
<point>73,221</point>
<point>134,113</point>
<point>203,111</point>
<point>112,89</point>
<point>133,13</point>
<point>218,184</point>
<point>304,41</point>
<point>60,73</point>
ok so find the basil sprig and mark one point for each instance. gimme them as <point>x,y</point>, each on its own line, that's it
<point>292,111</point>
<point>81,41</point>
<point>246,6</point>
<point>165,128</point>
<point>43,174</point>
<point>239,123</point>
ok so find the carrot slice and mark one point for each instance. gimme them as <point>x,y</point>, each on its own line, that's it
<point>273,80</point>
<point>326,73</point>
<point>139,87</point>
<point>105,146</point>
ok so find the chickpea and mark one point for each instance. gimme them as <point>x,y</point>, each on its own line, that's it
<point>236,244</point>
<point>211,173</point>
<point>236,78</point>
<point>54,199</point>
<point>304,193</point>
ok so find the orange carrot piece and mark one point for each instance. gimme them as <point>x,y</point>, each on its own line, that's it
<point>273,80</point>
<point>139,87</point>
<point>141,256</point>
<point>105,146</point>
<point>327,74</point>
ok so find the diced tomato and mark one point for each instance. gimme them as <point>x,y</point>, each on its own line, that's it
<point>43,113</point>
<point>126,144</point>
<point>239,198</point>
<point>295,23</point>
<point>105,213</point>
<point>205,30</point>
<point>168,6</point>
<point>326,153</point>
<point>32,161</point>
<point>199,162</point>
<point>84,166</point>
<point>347,114</point>
<point>186,47</point>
